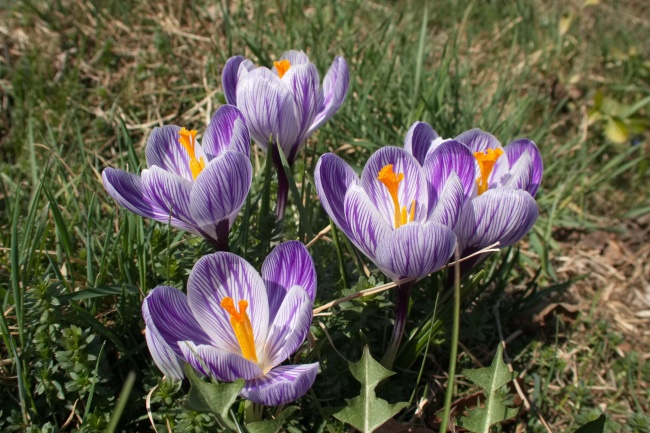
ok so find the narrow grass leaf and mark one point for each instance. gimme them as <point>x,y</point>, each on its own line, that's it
<point>121,402</point>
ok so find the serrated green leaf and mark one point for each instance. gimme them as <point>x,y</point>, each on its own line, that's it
<point>490,379</point>
<point>595,426</point>
<point>367,412</point>
<point>271,426</point>
<point>212,397</point>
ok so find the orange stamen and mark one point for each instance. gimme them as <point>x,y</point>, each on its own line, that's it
<point>486,161</point>
<point>187,138</point>
<point>282,66</point>
<point>391,181</point>
<point>241,325</point>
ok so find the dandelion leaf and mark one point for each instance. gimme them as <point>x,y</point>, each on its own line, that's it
<point>367,412</point>
<point>490,379</point>
<point>271,426</point>
<point>212,397</point>
<point>595,426</point>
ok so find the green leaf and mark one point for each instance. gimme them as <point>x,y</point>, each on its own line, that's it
<point>595,426</point>
<point>212,397</point>
<point>617,131</point>
<point>490,379</point>
<point>271,426</point>
<point>367,412</point>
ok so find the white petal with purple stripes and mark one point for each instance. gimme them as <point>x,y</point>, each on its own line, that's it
<point>127,189</point>
<point>333,177</point>
<point>419,139</point>
<point>367,227</point>
<point>500,215</point>
<point>449,157</point>
<point>281,385</point>
<point>220,275</point>
<point>478,140</point>
<point>169,192</point>
<point>220,364</point>
<point>165,151</point>
<point>304,83</point>
<point>163,355</point>
<point>516,149</point>
<point>289,327</point>
<point>416,250</point>
<point>233,70</point>
<point>225,131</point>
<point>288,265</point>
<point>165,309</point>
<point>450,203</point>
<point>221,188</point>
<point>335,89</point>
<point>269,108</point>
<point>412,188</point>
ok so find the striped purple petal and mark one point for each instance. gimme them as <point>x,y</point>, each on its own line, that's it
<point>289,327</point>
<point>295,57</point>
<point>449,157</point>
<point>335,89</point>
<point>415,250</point>
<point>366,226</point>
<point>269,108</point>
<point>281,385</point>
<point>304,82</point>
<point>478,140</point>
<point>221,188</point>
<point>231,74</point>
<point>166,312</point>
<point>412,188</point>
<point>521,174</point>
<point>220,275</point>
<point>523,146</point>
<point>163,355</point>
<point>499,215</point>
<point>288,265</point>
<point>171,194</point>
<point>333,177</point>
<point>226,131</point>
<point>127,189</point>
<point>165,151</point>
<point>450,203</point>
<point>220,364</point>
<point>418,140</point>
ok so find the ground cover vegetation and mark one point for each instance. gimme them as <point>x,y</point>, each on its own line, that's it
<point>83,84</point>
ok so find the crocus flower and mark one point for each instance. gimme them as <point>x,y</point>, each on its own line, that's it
<point>196,187</point>
<point>499,182</point>
<point>236,324</point>
<point>283,106</point>
<point>391,215</point>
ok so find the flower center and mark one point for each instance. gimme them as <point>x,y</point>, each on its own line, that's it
<point>241,324</point>
<point>391,181</point>
<point>486,161</point>
<point>188,140</point>
<point>282,66</point>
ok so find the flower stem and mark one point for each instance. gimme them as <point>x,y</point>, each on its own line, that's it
<point>454,346</point>
<point>283,182</point>
<point>222,229</point>
<point>401,312</point>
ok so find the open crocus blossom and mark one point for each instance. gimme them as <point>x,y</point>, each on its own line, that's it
<point>500,183</point>
<point>196,187</point>
<point>235,324</point>
<point>391,215</point>
<point>283,106</point>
